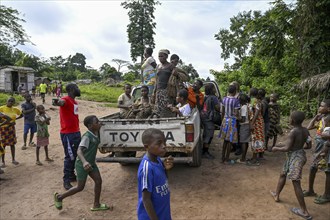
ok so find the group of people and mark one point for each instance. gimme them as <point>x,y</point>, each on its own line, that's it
<point>242,119</point>
<point>35,121</point>
<point>43,88</point>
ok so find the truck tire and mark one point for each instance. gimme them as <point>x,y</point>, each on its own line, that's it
<point>197,155</point>
<point>125,154</point>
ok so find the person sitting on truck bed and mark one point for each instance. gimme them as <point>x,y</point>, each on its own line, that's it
<point>125,101</point>
<point>183,108</point>
<point>196,97</point>
<point>142,108</point>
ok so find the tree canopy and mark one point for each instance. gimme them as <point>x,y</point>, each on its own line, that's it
<point>11,30</point>
<point>276,49</point>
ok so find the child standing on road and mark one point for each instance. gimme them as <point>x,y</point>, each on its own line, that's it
<point>296,159</point>
<point>257,127</point>
<point>318,123</point>
<point>274,121</point>
<point>29,112</point>
<point>153,190</point>
<point>244,128</point>
<point>229,132</point>
<point>85,165</point>
<point>42,120</point>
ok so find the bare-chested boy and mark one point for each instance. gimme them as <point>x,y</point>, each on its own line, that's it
<point>296,159</point>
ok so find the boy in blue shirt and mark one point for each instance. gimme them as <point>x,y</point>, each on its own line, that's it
<point>153,190</point>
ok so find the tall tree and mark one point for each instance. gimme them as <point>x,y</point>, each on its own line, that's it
<point>121,63</point>
<point>78,62</point>
<point>140,30</point>
<point>11,31</point>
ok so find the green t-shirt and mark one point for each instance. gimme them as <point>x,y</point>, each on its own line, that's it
<point>89,143</point>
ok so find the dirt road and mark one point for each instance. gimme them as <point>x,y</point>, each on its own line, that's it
<point>212,191</point>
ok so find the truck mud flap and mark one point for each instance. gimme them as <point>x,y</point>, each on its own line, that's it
<point>177,160</point>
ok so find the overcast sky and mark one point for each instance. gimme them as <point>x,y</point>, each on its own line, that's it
<point>97,29</point>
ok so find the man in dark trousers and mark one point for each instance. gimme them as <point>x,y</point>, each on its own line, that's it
<point>70,132</point>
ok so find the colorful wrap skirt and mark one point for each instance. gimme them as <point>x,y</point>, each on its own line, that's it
<point>293,166</point>
<point>8,135</point>
<point>162,102</point>
<point>228,130</point>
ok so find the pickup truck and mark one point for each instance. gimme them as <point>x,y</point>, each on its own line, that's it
<point>122,137</point>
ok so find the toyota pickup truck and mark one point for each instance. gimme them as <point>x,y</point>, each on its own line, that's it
<point>122,137</point>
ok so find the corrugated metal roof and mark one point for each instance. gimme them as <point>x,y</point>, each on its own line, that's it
<point>18,68</point>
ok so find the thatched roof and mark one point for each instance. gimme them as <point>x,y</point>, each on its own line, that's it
<point>317,83</point>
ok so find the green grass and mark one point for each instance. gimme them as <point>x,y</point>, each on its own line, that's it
<point>99,92</point>
<point>5,96</point>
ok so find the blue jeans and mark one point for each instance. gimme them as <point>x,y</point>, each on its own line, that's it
<point>70,144</point>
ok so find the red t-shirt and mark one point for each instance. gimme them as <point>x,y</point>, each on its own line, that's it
<point>69,116</point>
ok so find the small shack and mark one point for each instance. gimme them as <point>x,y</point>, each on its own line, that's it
<point>13,76</point>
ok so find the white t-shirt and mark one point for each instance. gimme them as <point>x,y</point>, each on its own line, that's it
<point>125,100</point>
<point>185,110</point>
<point>244,113</point>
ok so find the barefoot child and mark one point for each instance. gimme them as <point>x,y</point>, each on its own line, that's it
<point>244,128</point>
<point>318,123</point>
<point>296,159</point>
<point>42,120</point>
<point>257,127</point>
<point>29,112</point>
<point>153,190</point>
<point>85,165</point>
<point>274,121</point>
<point>229,132</point>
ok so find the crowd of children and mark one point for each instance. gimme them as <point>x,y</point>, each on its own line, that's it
<point>246,120</point>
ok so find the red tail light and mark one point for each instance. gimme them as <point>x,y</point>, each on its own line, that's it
<point>190,133</point>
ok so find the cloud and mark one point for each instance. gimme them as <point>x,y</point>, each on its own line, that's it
<point>97,29</point>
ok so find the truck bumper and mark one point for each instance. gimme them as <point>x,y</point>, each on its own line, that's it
<point>138,159</point>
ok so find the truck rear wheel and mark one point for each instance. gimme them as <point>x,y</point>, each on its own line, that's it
<point>125,154</point>
<point>197,154</point>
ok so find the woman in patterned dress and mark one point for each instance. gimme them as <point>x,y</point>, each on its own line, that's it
<point>257,126</point>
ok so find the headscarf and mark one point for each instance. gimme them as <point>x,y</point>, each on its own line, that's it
<point>165,51</point>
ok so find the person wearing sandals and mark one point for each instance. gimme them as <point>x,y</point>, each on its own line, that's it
<point>298,140</point>
<point>29,112</point>
<point>8,131</point>
<point>317,122</point>
<point>42,120</point>
<point>86,166</point>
